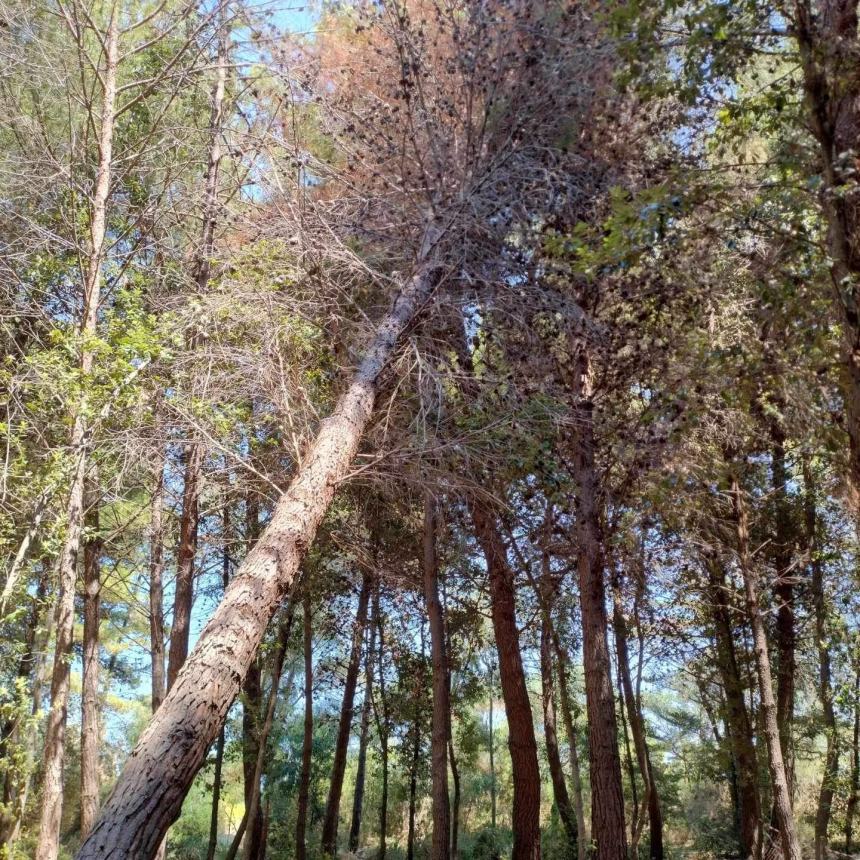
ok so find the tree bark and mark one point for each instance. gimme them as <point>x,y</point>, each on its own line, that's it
<point>556,772</point>
<point>607,806</point>
<point>739,726</point>
<point>854,791</point>
<point>148,795</point>
<point>826,38</point>
<point>361,767</point>
<point>252,707</point>
<point>308,736</point>
<point>48,844</point>
<point>525,815</point>
<point>90,735</point>
<point>779,779</point>
<point>825,682</point>
<point>156,590</point>
<point>383,723</point>
<point>637,724</point>
<point>332,809</point>
<point>440,730</point>
<point>785,633</point>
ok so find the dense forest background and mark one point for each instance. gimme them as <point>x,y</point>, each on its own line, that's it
<point>429,428</point>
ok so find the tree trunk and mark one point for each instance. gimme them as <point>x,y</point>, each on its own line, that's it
<point>332,809</point>
<point>825,683</point>
<point>607,805</point>
<point>415,760</point>
<point>219,747</point>
<point>90,735</point>
<point>252,707</point>
<point>216,797</point>
<point>194,451</point>
<point>48,843</point>
<point>785,634</point>
<point>492,752</point>
<point>183,599</point>
<point>440,731</point>
<point>255,844</point>
<point>779,779</point>
<point>308,736</point>
<point>826,36</point>
<point>559,785</point>
<point>854,795</point>
<point>525,815</point>
<point>572,735</point>
<point>739,726</point>
<point>383,723</point>
<point>148,795</point>
<point>637,724</point>
<point>455,773</point>
<point>156,590</point>
<point>10,733</point>
<point>361,767</point>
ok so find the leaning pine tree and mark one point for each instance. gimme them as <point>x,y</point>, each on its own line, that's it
<point>480,153</point>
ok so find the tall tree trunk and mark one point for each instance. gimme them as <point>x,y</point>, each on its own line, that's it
<point>383,723</point>
<point>10,733</point>
<point>825,683</point>
<point>90,735</point>
<point>785,634</point>
<point>637,723</point>
<point>854,790</point>
<point>255,844</point>
<point>572,737</point>
<point>148,795</point>
<point>216,797</point>
<point>332,809</point>
<point>308,735</point>
<point>219,746</point>
<point>440,731</point>
<point>779,779</point>
<point>607,805</point>
<point>415,759</point>
<point>156,590</point>
<point>739,726</point>
<point>826,34</point>
<point>631,770</point>
<point>252,706</point>
<point>361,767</point>
<point>556,772</point>
<point>455,772</point>
<point>183,598</point>
<point>48,844</point>
<point>194,451</point>
<point>525,816</point>
<point>492,751</point>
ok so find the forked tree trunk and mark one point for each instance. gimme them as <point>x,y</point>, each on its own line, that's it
<point>440,731</point>
<point>364,735</point>
<point>607,804</point>
<point>48,843</point>
<point>338,768</point>
<point>739,726</point>
<point>637,724</point>
<point>90,735</point>
<point>148,795</point>
<point>525,815</point>
<point>825,682</point>
<point>779,779</point>
<point>556,772</point>
<point>308,734</point>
